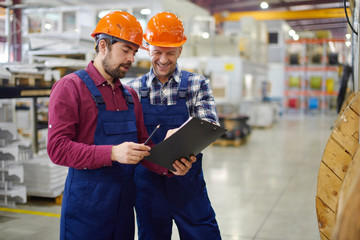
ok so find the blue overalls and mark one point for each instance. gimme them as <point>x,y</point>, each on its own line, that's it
<point>98,203</point>
<point>160,199</point>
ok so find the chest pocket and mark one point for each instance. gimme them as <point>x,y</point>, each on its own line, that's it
<point>113,128</point>
<point>116,127</point>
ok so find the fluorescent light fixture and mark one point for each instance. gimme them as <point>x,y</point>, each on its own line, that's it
<point>264,5</point>
<point>145,11</point>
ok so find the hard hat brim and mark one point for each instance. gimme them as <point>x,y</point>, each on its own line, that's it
<point>164,44</point>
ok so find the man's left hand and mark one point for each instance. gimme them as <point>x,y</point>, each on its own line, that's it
<point>183,166</point>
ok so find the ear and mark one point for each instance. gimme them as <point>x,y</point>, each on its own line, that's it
<point>149,50</point>
<point>180,50</point>
<point>102,46</point>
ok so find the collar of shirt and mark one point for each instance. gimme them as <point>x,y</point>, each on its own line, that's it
<point>97,77</point>
<point>176,76</point>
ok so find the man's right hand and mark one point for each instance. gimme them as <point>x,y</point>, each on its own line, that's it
<point>129,152</point>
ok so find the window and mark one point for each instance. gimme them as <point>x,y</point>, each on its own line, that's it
<point>69,23</point>
<point>273,38</point>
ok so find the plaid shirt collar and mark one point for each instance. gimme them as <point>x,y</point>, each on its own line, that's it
<point>176,76</point>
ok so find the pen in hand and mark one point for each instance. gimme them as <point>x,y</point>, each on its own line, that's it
<point>154,131</point>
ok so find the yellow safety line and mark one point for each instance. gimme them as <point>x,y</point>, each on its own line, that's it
<point>46,214</point>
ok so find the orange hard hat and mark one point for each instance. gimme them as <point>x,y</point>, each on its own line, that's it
<point>122,25</point>
<point>165,30</point>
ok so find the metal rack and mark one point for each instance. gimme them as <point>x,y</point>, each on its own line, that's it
<point>12,188</point>
<point>312,75</point>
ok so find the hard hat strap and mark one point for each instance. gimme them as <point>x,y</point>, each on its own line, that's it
<point>112,39</point>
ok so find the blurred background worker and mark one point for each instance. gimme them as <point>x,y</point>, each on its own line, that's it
<point>96,128</point>
<point>168,97</point>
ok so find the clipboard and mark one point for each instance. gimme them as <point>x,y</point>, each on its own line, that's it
<point>191,138</point>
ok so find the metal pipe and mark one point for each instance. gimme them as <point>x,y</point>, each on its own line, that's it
<point>17,22</point>
<point>7,32</point>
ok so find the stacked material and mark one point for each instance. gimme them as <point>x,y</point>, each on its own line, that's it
<point>43,178</point>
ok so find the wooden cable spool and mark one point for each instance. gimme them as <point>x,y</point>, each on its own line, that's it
<point>346,103</point>
<point>337,157</point>
<point>347,224</point>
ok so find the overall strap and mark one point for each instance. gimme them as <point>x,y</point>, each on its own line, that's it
<point>183,84</point>
<point>95,93</point>
<point>144,90</point>
<point>127,94</point>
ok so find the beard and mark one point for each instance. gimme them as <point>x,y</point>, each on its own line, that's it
<point>115,72</point>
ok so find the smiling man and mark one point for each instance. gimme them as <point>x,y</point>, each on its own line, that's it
<point>96,128</point>
<point>169,96</point>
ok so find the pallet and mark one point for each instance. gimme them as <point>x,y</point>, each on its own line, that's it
<point>7,82</point>
<point>46,200</point>
<point>232,143</point>
<point>262,127</point>
<point>26,79</point>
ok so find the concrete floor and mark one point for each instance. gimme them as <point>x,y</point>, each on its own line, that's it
<point>263,190</point>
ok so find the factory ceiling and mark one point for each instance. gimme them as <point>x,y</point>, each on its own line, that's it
<point>313,15</point>
<point>301,15</point>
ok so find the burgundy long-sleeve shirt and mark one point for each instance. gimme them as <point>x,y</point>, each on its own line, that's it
<point>73,119</point>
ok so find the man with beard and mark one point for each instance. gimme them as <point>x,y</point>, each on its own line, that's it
<point>169,96</point>
<point>96,128</point>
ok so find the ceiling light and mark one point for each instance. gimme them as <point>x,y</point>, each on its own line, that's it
<point>296,37</point>
<point>47,26</point>
<point>264,5</point>
<point>348,36</point>
<point>292,33</point>
<point>205,35</point>
<point>145,11</point>
<point>348,43</point>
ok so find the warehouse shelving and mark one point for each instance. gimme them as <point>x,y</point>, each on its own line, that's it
<point>19,163</point>
<point>12,189</point>
<point>311,88</point>
<point>27,102</point>
<point>11,195</point>
<point>312,75</point>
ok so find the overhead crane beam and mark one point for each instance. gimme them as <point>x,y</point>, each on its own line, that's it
<point>281,15</point>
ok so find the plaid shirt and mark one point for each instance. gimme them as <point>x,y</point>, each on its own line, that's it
<point>200,101</point>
